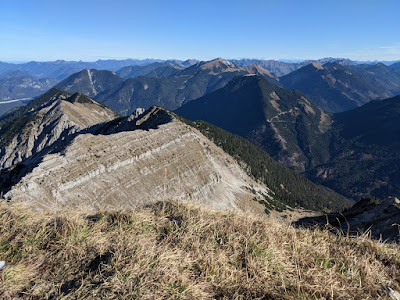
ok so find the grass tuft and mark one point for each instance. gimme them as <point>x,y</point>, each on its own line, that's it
<point>180,251</point>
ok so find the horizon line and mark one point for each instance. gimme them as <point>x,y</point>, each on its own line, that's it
<point>288,60</point>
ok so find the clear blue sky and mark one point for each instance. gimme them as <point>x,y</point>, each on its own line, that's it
<point>270,29</point>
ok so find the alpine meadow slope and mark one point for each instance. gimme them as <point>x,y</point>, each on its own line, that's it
<point>176,250</point>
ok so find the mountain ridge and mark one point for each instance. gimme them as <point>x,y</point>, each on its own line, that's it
<point>334,87</point>
<point>131,154</point>
<point>140,152</point>
<point>90,82</point>
<point>260,111</point>
<point>55,115</point>
<point>170,91</point>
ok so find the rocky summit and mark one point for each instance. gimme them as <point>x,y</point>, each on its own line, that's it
<point>64,150</point>
<point>132,161</point>
<point>55,115</point>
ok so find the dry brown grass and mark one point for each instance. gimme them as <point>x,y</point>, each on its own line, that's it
<point>186,252</point>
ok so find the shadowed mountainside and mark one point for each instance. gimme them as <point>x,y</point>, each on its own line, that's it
<point>286,124</point>
<point>90,82</point>
<point>355,153</point>
<point>335,87</point>
<point>159,86</point>
<point>364,151</point>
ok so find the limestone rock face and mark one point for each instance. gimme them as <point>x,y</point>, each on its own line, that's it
<point>57,119</point>
<point>133,161</point>
<point>139,111</point>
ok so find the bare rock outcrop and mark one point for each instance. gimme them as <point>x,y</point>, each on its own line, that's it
<point>135,161</point>
<point>51,121</point>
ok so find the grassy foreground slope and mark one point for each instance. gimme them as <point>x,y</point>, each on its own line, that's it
<point>186,252</point>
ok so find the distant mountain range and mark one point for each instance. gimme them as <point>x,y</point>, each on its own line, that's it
<point>342,84</point>
<point>282,68</point>
<point>384,77</point>
<point>277,67</point>
<point>18,88</point>
<point>61,69</point>
<point>157,69</point>
<point>169,92</point>
<point>18,85</point>
<point>396,66</point>
<point>337,88</point>
<point>355,153</point>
